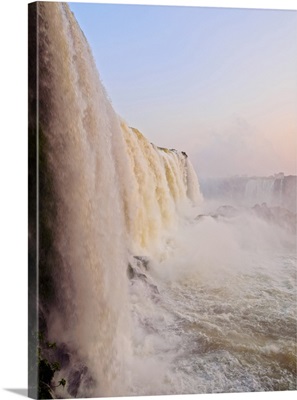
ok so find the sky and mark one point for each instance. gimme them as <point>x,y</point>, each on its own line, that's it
<point>217,83</point>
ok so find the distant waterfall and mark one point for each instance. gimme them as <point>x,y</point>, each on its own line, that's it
<point>260,190</point>
<point>106,192</point>
<point>276,191</point>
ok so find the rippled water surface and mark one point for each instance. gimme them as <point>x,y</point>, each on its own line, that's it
<point>228,328</point>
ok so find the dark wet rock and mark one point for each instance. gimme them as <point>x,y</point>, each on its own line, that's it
<point>199,217</point>
<point>44,391</point>
<point>184,154</point>
<point>75,379</point>
<point>215,216</point>
<point>227,211</point>
<point>45,371</point>
<point>142,261</point>
<point>62,355</point>
<point>135,273</point>
<point>141,276</point>
<point>202,216</point>
<point>130,271</point>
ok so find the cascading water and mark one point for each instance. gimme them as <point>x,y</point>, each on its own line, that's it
<point>113,193</point>
<point>277,190</point>
<point>259,191</point>
<point>140,293</point>
<point>81,136</point>
<point>161,183</point>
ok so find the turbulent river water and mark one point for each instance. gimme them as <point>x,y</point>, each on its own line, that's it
<point>225,319</point>
<point>143,288</point>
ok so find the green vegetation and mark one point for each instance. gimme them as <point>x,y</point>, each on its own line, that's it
<point>46,372</point>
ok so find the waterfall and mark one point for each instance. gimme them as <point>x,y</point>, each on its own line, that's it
<point>161,181</point>
<point>81,138</point>
<point>106,192</point>
<point>276,191</point>
<point>259,190</point>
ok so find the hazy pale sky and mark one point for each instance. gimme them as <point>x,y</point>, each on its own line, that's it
<point>220,84</point>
